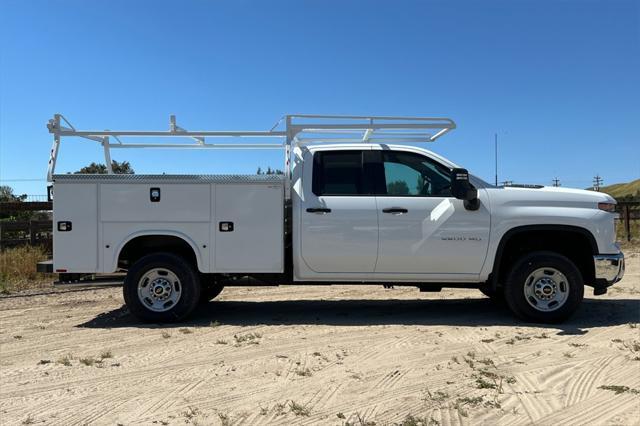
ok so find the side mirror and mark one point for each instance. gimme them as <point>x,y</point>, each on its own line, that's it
<point>462,189</point>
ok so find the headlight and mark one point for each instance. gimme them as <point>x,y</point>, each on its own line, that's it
<point>607,207</point>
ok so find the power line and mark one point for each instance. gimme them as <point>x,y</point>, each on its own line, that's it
<point>556,182</point>
<point>22,180</point>
<point>597,182</point>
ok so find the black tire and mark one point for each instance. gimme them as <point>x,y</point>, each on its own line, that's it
<point>524,270</point>
<point>188,282</point>
<point>210,292</point>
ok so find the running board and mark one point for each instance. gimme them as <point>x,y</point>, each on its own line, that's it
<point>437,287</point>
<point>81,280</point>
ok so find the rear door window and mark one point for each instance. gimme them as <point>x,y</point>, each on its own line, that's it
<point>338,173</point>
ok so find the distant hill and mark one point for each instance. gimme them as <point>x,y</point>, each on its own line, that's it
<point>621,191</point>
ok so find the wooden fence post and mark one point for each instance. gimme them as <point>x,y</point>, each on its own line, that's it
<point>627,223</point>
<point>32,233</point>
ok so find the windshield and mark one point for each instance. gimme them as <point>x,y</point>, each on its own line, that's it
<point>479,183</point>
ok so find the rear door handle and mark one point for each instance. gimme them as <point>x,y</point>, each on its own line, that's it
<point>318,210</point>
<point>396,210</point>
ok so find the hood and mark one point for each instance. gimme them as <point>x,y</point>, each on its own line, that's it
<point>600,197</point>
<point>550,195</point>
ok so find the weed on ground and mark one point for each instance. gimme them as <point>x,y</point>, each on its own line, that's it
<point>18,269</point>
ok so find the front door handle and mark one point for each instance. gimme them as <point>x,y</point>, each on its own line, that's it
<point>395,210</point>
<point>322,210</point>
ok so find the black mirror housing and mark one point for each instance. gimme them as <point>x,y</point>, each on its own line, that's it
<point>462,189</point>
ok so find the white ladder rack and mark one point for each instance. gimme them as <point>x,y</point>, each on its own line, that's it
<point>290,130</point>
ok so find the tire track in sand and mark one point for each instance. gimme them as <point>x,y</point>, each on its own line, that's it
<point>582,386</point>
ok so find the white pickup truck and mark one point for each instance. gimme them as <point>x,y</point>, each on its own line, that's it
<point>358,203</point>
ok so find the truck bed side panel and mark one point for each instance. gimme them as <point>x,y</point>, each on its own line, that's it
<point>127,211</point>
<point>109,211</point>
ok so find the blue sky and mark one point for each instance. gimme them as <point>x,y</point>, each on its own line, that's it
<point>558,80</point>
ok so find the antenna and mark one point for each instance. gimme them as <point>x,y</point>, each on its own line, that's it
<point>496,155</point>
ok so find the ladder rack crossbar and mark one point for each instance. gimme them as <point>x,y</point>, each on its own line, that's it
<point>198,146</point>
<point>141,133</point>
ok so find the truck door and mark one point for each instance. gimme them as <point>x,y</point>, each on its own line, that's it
<point>339,222</point>
<point>423,228</point>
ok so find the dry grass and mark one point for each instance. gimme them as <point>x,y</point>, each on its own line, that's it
<point>629,247</point>
<point>621,235</point>
<point>18,269</point>
<point>88,361</point>
<point>299,409</point>
<point>619,389</point>
<point>65,360</point>
<point>106,354</point>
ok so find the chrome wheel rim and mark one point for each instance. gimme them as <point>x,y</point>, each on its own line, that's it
<point>546,289</point>
<point>159,289</point>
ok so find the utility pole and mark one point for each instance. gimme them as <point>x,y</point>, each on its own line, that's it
<point>597,183</point>
<point>556,182</point>
<point>495,143</point>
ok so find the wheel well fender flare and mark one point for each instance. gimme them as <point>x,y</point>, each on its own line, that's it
<point>152,233</point>
<point>507,236</point>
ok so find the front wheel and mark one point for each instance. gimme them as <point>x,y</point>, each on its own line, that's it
<point>161,287</point>
<point>544,287</point>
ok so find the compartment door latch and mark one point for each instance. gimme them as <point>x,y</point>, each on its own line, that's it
<point>154,195</point>
<point>226,227</point>
<point>64,226</point>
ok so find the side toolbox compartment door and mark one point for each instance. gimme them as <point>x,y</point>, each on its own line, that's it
<point>75,227</point>
<point>248,228</point>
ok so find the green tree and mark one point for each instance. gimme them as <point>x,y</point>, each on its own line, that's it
<point>398,187</point>
<point>123,168</point>
<point>6,194</point>
<point>421,185</point>
<point>269,171</point>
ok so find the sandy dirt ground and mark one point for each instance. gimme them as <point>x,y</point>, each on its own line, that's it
<point>320,355</point>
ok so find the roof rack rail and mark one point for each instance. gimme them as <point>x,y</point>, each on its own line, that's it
<point>355,128</point>
<point>298,129</point>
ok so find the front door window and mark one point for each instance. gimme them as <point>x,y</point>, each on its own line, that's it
<point>411,175</point>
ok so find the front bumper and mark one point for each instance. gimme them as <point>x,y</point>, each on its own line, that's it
<point>609,268</point>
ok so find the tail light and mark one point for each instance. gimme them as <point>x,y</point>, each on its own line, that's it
<point>607,207</point>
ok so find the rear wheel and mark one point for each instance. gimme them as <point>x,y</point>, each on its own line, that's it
<point>544,287</point>
<point>161,287</point>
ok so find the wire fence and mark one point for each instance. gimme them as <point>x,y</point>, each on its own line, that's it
<point>36,197</point>
<point>20,233</point>
<point>628,221</point>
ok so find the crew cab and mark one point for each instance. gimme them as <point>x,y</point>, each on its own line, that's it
<point>359,202</point>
